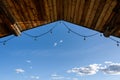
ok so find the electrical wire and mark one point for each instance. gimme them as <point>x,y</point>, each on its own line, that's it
<point>5,41</point>
<point>40,35</point>
<point>51,31</point>
<point>85,36</point>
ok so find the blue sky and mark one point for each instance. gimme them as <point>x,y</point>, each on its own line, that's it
<point>59,55</point>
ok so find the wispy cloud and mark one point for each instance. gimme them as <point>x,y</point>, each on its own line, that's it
<point>35,77</point>
<point>60,77</point>
<point>55,44</point>
<point>111,68</point>
<point>89,70</point>
<point>56,77</point>
<point>19,70</point>
<point>58,43</point>
<point>61,41</point>
<point>108,62</point>
<point>28,61</point>
<point>31,67</point>
<point>74,78</point>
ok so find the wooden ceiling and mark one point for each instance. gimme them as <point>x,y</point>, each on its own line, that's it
<point>20,15</point>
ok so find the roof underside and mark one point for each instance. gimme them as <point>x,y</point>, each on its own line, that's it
<point>19,15</point>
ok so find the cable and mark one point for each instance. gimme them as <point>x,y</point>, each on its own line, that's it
<point>40,35</point>
<point>117,42</point>
<point>51,31</point>
<point>85,36</point>
<point>5,41</point>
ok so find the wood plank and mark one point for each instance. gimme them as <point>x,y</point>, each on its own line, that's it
<point>12,10</point>
<point>80,11</point>
<point>61,9</point>
<point>65,9</point>
<point>47,11</point>
<point>91,12</point>
<point>76,11</point>
<point>107,15</point>
<point>19,6</point>
<point>58,10</point>
<point>97,13</point>
<point>8,20</point>
<point>68,9</point>
<point>50,10</point>
<point>37,7</point>
<point>55,9</point>
<point>103,14</point>
<point>114,13</point>
<point>36,23</point>
<point>6,12</point>
<point>115,23</point>
<point>18,13</point>
<point>4,30</point>
<point>37,14</point>
<point>85,11</point>
<point>28,12</point>
<point>63,6</point>
<point>117,32</point>
<point>73,6</point>
<point>60,6</point>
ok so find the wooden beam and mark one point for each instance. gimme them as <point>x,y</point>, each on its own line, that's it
<point>96,12</point>
<point>9,20</point>
<point>114,23</point>
<point>15,28</point>
<point>90,13</point>
<point>104,15</point>
<point>85,11</point>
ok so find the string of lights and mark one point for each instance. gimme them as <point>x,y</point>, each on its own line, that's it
<point>117,42</point>
<point>40,35</point>
<point>51,31</point>
<point>84,36</point>
<point>6,40</point>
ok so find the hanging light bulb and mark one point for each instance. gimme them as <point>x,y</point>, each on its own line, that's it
<point>68,30</point>
<point>35,38</point>
<point>101,34</point>
<point>4,43</point>
<point>60,22</point>
<point>51,31</point>
<point>84,38</point>
<point>117,43</point>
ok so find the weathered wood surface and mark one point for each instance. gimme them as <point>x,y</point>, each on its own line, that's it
<point>19,15</point>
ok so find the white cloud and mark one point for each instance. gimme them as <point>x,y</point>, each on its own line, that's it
<point>55,44</point>
<point>31,67</point>
<point>74,78</point>
<point>60,77</point>
<point>89,70</point>
<point>28,61</point>
<point>107,62</point>
<point>56,77</point>
<point>61,41</point>
<point>111,68</point>
<point>19,70</point>
<point>35,77</point>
